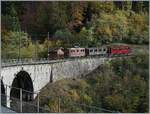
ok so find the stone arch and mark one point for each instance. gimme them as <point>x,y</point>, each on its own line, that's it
<point>3,93</point>
<point>2,87</point>
<point>23,81</point>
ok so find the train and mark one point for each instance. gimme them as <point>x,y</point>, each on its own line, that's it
<point>74,52</point>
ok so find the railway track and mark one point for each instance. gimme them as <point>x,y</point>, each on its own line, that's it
<point>16,62</point>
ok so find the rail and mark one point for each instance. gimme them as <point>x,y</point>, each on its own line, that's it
<point>31,61</point>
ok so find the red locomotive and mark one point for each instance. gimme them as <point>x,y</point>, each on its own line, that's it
<point>117,50</point>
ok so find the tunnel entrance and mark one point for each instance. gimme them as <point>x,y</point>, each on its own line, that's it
<point>3,94</point>
<point>22,80</point>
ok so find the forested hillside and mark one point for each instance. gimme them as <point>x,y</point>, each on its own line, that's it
<point>30,28</point>
<point>68,23</point>
<point>120,85</point>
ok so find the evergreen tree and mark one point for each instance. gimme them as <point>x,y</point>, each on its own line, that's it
<point>15,26</point>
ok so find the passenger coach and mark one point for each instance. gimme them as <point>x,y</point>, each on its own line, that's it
<point>96,51</point>
<point>75,52</point>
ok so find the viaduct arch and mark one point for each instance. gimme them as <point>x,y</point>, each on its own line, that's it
<point>23,81</point>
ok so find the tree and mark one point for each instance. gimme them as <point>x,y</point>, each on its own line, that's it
<point>86,37</point>
<point>77,15</point>
<point>64,35</point>
<point>15,26</point>
<point>137,6</point>
<point>138,29</point>
<point>11,21</point>
<point>12,41</point>
<point>99,7</point>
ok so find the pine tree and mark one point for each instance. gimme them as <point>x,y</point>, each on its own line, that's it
<point>15,25</point>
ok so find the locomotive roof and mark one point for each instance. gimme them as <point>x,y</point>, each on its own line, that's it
<point>118,46</point>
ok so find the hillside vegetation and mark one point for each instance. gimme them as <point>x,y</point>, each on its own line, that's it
<point>29,28</point>
<point>26,25</point>
<point>120,85</point>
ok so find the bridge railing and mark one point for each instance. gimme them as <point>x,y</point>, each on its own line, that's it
<point>9,62</point>
<point>5,62</point>
<point>26,61</point>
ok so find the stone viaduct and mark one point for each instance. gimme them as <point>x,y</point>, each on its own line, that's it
<point>33,77</point>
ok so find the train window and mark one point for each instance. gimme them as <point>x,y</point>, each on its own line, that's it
<point>83,50</point>
<point>91,50</point>
<point>104,49</point>
<point>72,50</point>
<point>95,50</point>
<point>99,49</point>
<point>77,50</point>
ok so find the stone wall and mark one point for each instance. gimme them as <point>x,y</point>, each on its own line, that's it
<point>75,68</point>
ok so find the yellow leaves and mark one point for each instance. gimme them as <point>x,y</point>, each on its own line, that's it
<point>5,37</point>
<point>102,6</point>
<point>139,19</point>
<point>53,105</point>
<point>53,43</point>
<point>83,84</point>
<point>115,101</point>
<point>59,43</point>
<point>77,14</point>
<point>86,99</point>
<point>74,95</point>
<point>108,32</point>
<point>113,25</point>
<point>138,23</point>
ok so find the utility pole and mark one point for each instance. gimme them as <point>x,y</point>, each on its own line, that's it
<point>48,45</point>
<point>15,29</point>
<point>19,45</point>
<point>35,47</point>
